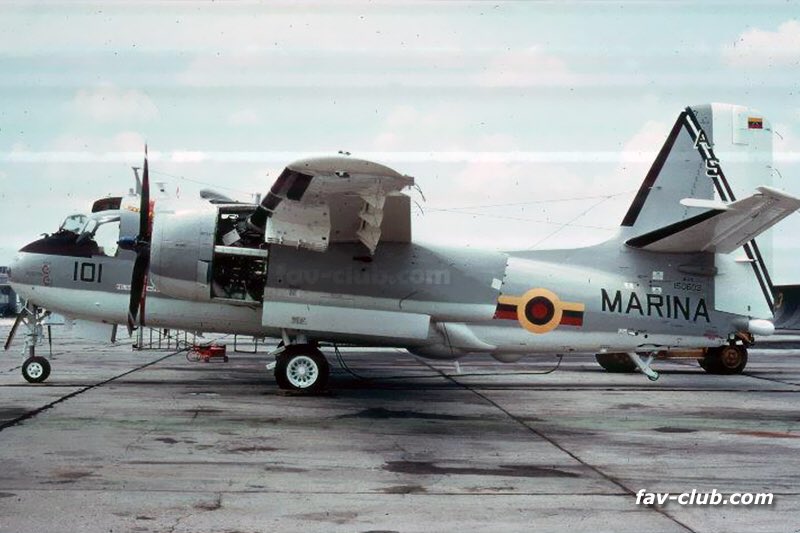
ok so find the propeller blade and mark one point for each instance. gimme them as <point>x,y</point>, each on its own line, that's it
<point>144,207</point>
<point>141,245</point>
<point>138,280</point>
<point>144,297</point>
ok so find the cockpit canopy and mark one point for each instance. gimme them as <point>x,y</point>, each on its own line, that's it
<point>74,223</point>
<point>100,227</point>
<point>82,235</point>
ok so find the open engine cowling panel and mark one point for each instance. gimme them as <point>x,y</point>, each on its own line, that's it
<point>192,256</point>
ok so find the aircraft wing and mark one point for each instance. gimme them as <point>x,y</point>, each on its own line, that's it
<point>724,228</point>
<point>338,199</point>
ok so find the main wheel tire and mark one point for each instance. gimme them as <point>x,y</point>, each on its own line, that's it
<point>733,359</point>
<point>618,363</point>
<point>708,364</point>
<point>302,368</point>
<point>725,360</point>
<point>35,369</point>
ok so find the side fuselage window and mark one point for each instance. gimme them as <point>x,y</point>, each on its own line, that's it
<point>107,236</point>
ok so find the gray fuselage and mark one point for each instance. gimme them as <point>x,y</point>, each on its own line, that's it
<point>607,297</point>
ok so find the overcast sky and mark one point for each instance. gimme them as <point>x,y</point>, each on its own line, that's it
<point>555,107</point>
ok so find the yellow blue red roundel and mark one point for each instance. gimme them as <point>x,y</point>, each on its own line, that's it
<point>539,311</point>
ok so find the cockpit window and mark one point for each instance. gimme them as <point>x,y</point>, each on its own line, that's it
<point>106,235</point>
<point>107,204</point>
<point>103,229</point>
<point>74,223</point>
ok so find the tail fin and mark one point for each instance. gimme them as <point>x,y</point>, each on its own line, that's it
<point>704,140</point>
<point>715,153</point>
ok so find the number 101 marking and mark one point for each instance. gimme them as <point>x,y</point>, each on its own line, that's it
<point>88,272</point>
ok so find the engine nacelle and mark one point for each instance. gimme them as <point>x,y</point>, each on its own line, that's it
<point>182,250</point>
<point>198,254</point>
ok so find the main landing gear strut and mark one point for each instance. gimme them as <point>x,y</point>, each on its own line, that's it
<point>35,369</point>
<point>727,360</point>
<point>300,367</point>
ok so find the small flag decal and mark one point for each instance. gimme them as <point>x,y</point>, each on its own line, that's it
<point>754,123</point>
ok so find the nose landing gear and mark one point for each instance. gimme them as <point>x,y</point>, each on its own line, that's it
<point>35,369</point>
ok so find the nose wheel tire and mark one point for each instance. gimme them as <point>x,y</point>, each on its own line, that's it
<point>726,360</point>
<point>302,368</point>
<point>35,369</point>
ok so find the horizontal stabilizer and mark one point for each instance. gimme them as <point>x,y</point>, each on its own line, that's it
<point>704,204</point>
<point>724,229</point>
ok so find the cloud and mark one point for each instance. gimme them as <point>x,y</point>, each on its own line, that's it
<point>786,145</point>
<point>108,103</point>
<point>492,193</point>
<point>125,142</point>
<point>244,117</point>
<point>525,68</point>
<point>639,152</point>
<point>324,68</point>
<point>188,156</point>
<point>762,48</point>
<point>441,128</point>
<point>195,26</point>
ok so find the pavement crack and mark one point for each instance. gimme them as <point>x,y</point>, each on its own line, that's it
<point>30,414</point>
<point>773,380</point>
<point>608,477</point>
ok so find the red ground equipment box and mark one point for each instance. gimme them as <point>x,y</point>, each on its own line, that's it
<point>206,353</point>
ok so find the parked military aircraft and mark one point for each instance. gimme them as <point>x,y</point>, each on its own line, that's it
<point>787,308</point>
<point>327,256</point>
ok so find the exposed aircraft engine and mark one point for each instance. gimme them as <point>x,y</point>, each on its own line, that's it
<point>193,257</point>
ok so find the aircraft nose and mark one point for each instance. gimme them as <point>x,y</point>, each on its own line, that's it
<point>22,271</point>
<point>12,267</point>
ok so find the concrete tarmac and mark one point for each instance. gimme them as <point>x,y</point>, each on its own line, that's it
<point>147,441</point>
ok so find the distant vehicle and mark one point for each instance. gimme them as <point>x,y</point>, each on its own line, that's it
<point>8,298</point>
<point>327,256</point>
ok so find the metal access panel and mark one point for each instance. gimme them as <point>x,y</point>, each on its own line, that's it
<point>736,289</point>
<point>324,318</point>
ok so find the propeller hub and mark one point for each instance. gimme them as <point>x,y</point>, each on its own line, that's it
<point>133,244</point>
<point>127,243</point>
